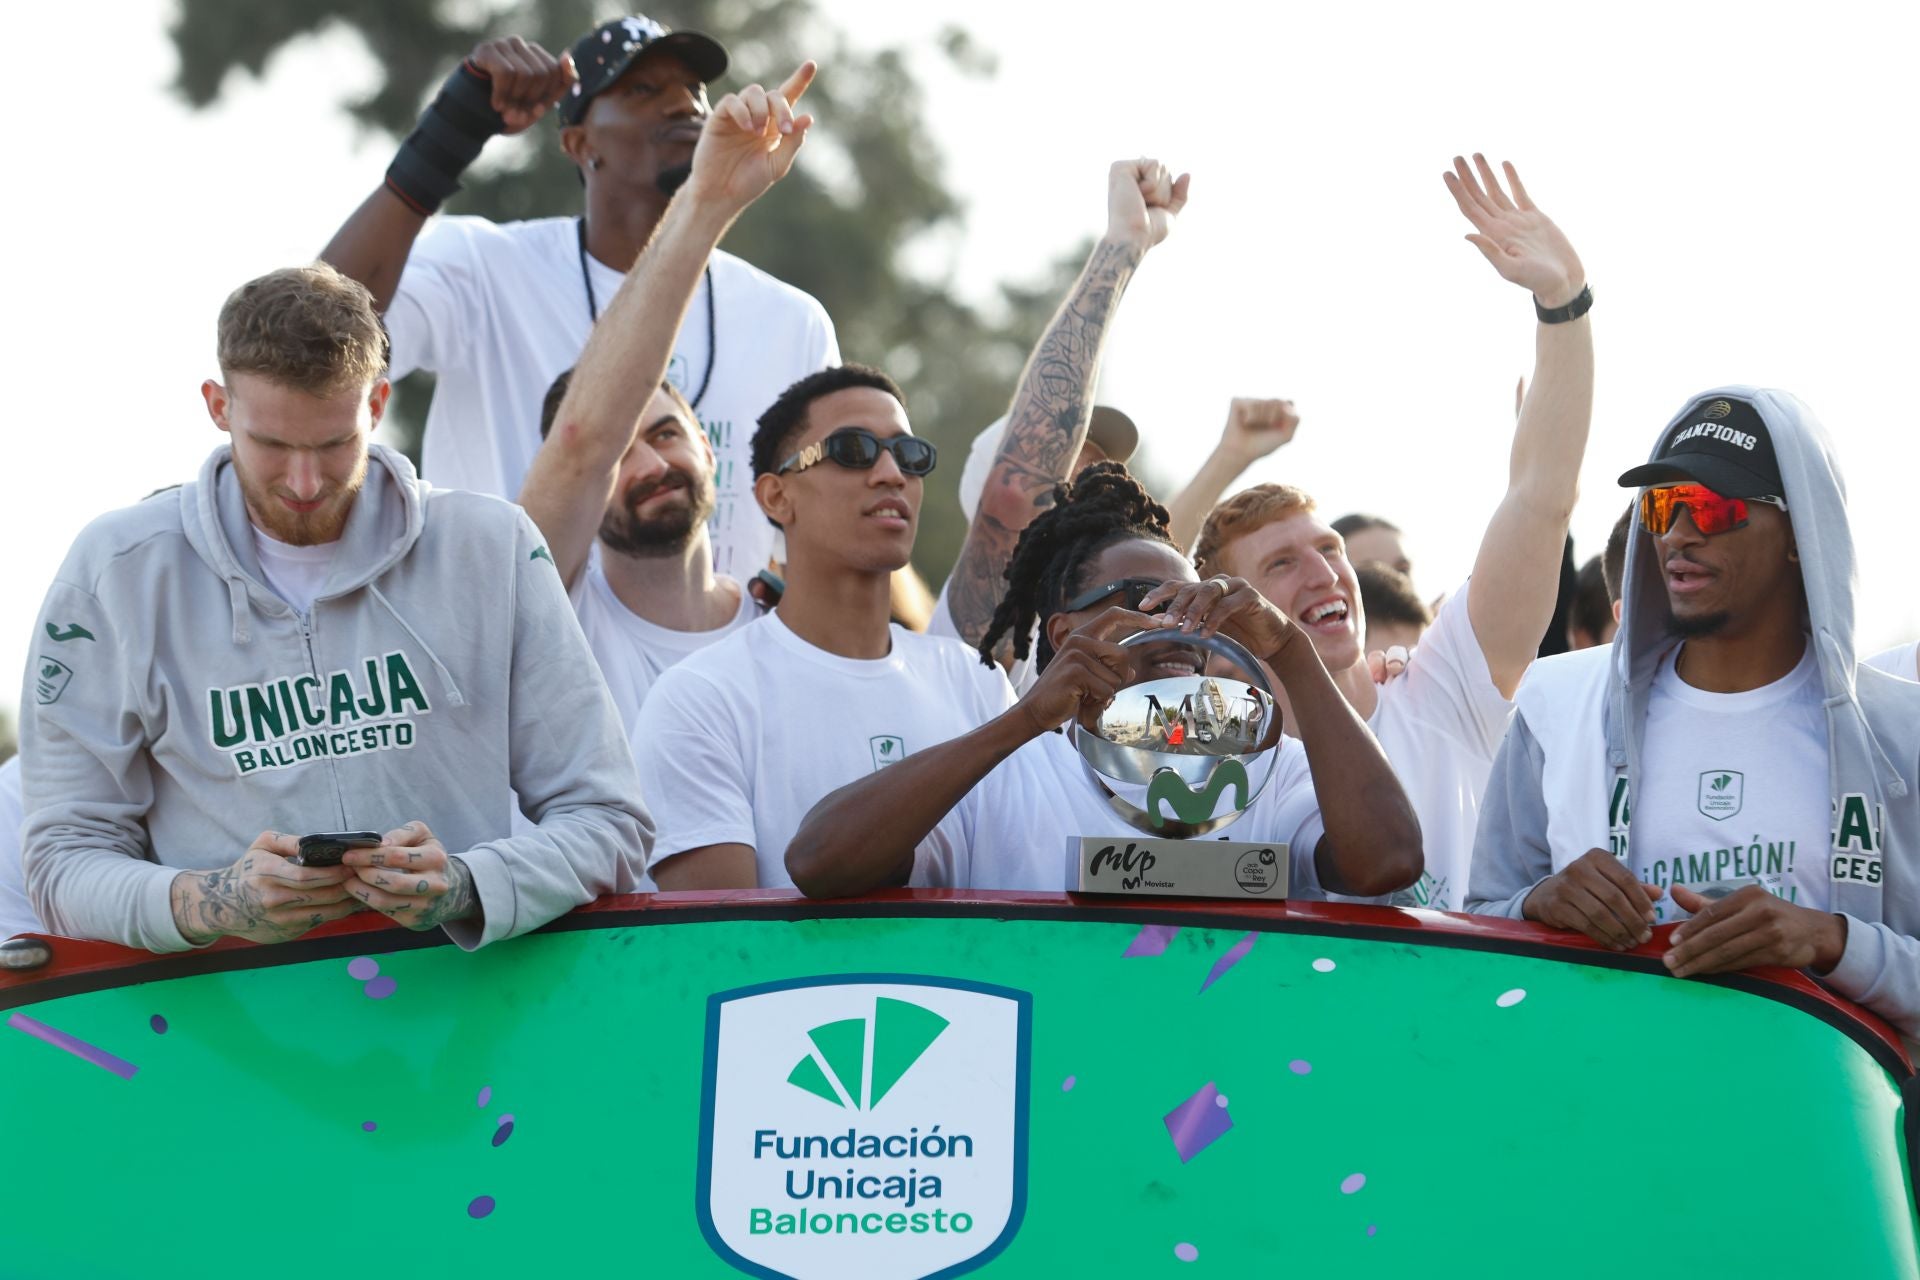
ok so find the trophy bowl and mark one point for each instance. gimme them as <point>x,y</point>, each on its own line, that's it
<point>1183,756</point>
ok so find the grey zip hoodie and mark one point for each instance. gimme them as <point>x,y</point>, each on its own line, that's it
<point>175,707</point>
<point>1562,781</point>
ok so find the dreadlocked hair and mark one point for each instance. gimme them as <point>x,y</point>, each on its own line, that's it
<point>1104,505</point>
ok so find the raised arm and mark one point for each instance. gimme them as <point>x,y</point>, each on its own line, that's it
<point>1516,576</point>
<point>1255,428</point>
<point>748,144</point>
<point>1048,421</point>
<point>502,88</point>
<point>864,835</point>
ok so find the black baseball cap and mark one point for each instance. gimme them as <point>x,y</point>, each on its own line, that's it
<point>603,55</point>
<point>1720,442</point>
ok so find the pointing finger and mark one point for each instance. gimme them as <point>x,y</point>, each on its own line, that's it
<point>796,86</point>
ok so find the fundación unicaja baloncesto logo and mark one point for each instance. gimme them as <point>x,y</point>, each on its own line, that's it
<point>869,1125</point>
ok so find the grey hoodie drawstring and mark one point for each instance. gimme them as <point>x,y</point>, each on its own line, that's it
<point>446,676</point>
<point>1837,661</point>
<point>242,610</point>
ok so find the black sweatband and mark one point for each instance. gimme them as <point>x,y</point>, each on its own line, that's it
<point>1581,304</point>
<point>451,132</point>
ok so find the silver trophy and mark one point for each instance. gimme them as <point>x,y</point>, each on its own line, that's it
<point>1179,757</point>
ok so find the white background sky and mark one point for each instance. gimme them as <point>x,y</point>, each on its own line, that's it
<point>1739,179</point>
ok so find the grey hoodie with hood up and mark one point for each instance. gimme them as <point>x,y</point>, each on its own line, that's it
<point>175,707</point>
<point>1540,814</point>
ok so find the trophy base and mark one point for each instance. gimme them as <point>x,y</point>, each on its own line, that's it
<point>1142,866</point>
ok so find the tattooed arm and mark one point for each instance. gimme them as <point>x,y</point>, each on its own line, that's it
<point>413,879</point>
<point>262,897</point>
<point>1048,421</point>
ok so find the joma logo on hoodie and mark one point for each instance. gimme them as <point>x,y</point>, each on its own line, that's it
<point>294,719</point>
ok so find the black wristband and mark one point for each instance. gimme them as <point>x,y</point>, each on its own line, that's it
<point>452,130</point>
<point>1581,304</point>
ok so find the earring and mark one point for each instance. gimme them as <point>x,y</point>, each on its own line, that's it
<point>594,163</point>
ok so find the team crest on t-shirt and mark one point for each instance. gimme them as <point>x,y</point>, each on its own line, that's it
<point>1721,792</point>
<point>887,750</point>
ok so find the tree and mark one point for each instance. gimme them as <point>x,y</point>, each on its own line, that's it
<point>869,186</point>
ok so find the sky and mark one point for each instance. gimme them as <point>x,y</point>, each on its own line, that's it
<point>1739,180</point>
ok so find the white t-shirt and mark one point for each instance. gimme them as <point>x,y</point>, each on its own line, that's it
<point>1016,828</point>
<point>1024,674</point>
<point>631,651</point>
<point>736,743</point>
<point>1901,660</point>
<point>1440,724</point>
<point>296,574</point>
<point>498,310</point>
<point>16,913</point>
<point>1734,787</point>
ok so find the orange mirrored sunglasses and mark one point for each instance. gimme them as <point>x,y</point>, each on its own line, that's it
<point>1710,512</point>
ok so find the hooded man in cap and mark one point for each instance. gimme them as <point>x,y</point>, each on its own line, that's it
<point>1728,764</point>
<point>498,310</point>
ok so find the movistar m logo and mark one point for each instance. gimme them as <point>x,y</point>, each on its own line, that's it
<point>72,631</point>
<point>845,1054</point>
<point>1188,805</point>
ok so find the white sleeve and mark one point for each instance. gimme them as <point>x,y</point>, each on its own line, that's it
<point>431,320</point>
<point>692,752</point>
<point>824,343</point>
<point>16,913</point>
<point>1448,682</point>
<point>1897,661</point>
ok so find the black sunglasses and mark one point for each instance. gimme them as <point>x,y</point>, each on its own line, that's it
<point>1137,589</point>
<point>857,449</point>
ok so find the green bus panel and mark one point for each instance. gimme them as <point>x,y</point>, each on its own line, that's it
<point>1136,1101</point>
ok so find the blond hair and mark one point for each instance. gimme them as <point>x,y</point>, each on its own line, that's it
<point>309,328</point>
<point>1244,513</point>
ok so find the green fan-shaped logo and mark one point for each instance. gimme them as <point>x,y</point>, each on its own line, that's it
<point>844,1055</point>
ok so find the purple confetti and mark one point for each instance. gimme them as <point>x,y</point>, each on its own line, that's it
<point>78,1048</point>
<point>1150,941</point>
<point>363,969</point>
<point>1185,1252</point>
<point>480,1207</point>
<point>1197,1123</point>
<point>158,1023</point>
<point>1300,1067</point>
<point>1066,1086</point>
<point>380,988</point>
<point>504,1132</point>
<point>1233,957</point>
<point>506,1118</point>
<point>1352,1183</point>
<point>369,1125</point>
<point>486,1096</point>
<point>1371,1229</point>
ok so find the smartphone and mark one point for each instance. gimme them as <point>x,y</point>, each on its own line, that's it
<point>326,848</point>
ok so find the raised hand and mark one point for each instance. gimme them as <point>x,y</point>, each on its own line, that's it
<point>1229,606</point>
<point>526,79</point>
<point>1520,241</point>
<point>1255,428</point>
<point>1084,674</point>
<point>750,141</point>
<point>1143,198</point>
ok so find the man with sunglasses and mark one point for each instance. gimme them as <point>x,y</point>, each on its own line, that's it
<point>739,740</point>
<point>1732,766</point>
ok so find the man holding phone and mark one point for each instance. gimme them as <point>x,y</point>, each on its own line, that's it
<point>308,635</point>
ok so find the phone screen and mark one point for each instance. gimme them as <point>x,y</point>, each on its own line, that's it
<point>328,847</point>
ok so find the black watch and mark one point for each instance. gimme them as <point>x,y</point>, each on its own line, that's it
<point>1581,304</point>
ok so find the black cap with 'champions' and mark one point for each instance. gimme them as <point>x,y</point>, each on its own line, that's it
<point>1720,443</point>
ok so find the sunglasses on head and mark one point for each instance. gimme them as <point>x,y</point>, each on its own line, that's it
<point>857,449</point>
<point>1136,590</point>
<point>1710,512</point>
